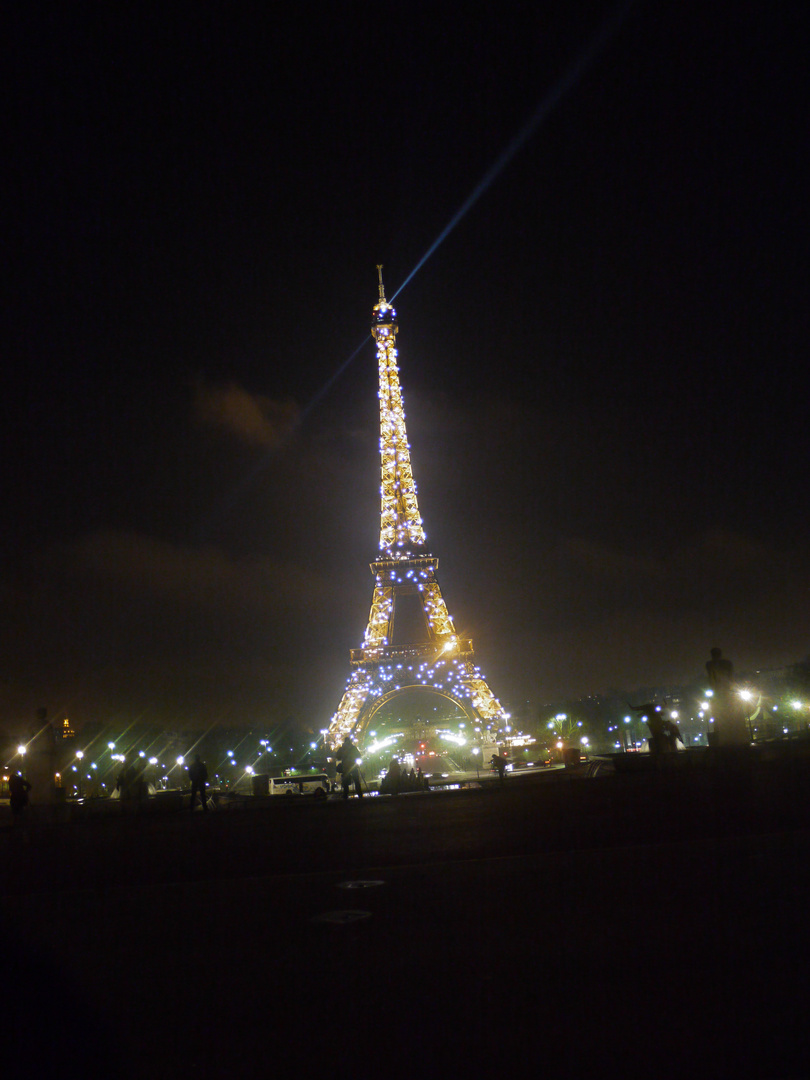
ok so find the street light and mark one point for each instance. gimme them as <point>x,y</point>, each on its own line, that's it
<point>476,751</point>
<point>748,696</point>
<point>628,731</point>
<point>79,755</point>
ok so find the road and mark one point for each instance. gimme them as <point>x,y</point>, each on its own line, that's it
<point>652,925</point>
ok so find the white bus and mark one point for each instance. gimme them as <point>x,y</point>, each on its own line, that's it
<point>316,784</point>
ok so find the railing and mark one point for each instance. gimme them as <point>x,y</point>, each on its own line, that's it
<point>433,649</point>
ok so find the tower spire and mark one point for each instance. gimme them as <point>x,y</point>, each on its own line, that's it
<point>401,531</point>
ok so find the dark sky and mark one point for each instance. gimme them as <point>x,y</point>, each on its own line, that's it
<point>604,363</point>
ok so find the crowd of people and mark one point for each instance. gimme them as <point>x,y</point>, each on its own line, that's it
<point>398,780</point>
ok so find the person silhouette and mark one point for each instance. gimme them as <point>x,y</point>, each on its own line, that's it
<point>198,775</point>
<point>18,788</point>
<point>349,758</point>
<point>392,783</point>
<point>498,761</point>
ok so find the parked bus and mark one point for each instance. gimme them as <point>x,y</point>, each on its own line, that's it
<point>316,784</point>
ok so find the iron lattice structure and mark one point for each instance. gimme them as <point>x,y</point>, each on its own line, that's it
<point>438,659</point>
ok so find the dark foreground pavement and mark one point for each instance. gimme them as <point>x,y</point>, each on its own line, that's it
<point>645,925</point>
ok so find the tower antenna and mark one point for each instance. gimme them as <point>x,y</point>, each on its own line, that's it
<point>382,290</point>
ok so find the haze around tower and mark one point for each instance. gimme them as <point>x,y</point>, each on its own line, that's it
<point>603,361</point>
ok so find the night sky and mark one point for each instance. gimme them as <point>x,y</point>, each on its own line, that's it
<point>604,363</point>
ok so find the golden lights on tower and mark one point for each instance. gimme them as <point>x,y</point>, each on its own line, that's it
<point>442,661</point>
<point>400,523</point>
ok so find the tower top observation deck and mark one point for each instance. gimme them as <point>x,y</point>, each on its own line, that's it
<point>383,313</point>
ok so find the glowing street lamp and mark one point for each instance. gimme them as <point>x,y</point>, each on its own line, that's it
<point>748,696</point>
<point>79,755</point>
<point>628,733</point>
<point>476,752</point>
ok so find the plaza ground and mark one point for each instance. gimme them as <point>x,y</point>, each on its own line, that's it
<point>650,923</point>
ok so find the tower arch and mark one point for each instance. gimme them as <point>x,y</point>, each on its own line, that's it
<point>366,717</point>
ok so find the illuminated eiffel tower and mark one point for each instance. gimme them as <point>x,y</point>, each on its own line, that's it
<point>410,642</point>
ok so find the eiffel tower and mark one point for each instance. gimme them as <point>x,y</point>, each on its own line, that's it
<point>410,642</point>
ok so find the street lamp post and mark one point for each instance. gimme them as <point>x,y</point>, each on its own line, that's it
<point>746,696</point>
<point>799,707</point>
<point>476,750</point>
<point>80,755</point>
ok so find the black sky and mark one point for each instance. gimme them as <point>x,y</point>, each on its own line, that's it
<point>604,364</point>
